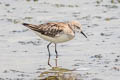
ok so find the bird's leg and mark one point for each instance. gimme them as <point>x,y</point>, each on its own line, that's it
<point>48,48</point>
<point>49,62</point>
<point>49,54</point>
<point>56,51</point>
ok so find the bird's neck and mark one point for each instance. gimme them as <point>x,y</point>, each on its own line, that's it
<point>71,27</point>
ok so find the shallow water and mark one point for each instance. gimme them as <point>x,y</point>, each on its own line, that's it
<point>24,56</point>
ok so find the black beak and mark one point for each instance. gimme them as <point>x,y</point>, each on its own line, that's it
<point>83,34</point>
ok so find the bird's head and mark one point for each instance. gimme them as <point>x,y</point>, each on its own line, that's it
<point>76,26</point>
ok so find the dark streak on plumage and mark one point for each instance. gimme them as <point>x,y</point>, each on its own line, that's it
<point>48,29</point>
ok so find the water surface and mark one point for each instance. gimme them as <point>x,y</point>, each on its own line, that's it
<point>24,56</point>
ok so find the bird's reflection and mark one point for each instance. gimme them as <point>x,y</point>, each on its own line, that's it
<point>57,73</point>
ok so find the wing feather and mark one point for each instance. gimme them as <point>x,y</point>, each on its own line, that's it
<point>48,29</point>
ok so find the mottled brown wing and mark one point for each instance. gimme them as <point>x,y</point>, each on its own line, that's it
<point>48,29</point>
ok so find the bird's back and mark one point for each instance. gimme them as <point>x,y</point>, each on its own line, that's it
<point>50,29</point>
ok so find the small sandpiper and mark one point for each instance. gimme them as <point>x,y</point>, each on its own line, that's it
<point>56,32</point>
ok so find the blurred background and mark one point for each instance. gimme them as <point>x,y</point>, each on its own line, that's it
<point>24,56</point>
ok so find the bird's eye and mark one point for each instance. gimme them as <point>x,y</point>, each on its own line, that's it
<point>77,27</point>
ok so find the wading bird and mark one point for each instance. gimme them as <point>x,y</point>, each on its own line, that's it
<point>56,32</point>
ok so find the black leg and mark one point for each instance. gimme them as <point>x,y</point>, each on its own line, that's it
<point>56,51</point>
<point>49,54</point>
<point>48,48</point>
<point>49,62</point>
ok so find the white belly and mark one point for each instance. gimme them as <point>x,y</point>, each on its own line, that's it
<point>59,39</point>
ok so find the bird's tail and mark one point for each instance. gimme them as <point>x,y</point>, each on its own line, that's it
<point>31,26</point>
<point>25,24</point>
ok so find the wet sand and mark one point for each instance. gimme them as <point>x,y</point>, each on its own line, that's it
<point>24,56</point>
